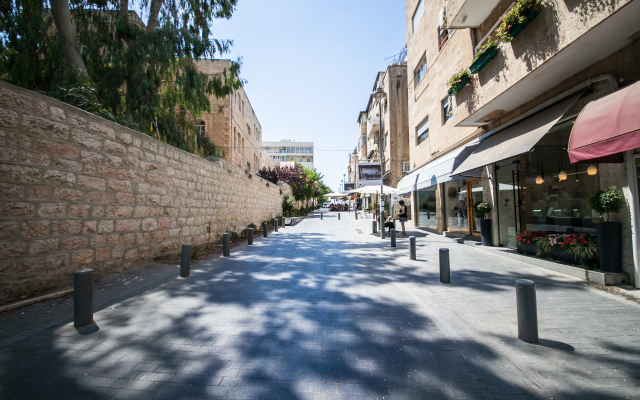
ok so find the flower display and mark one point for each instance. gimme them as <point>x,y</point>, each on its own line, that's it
<point>516,16</point>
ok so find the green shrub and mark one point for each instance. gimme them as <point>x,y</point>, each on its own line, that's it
<point>607,201</point>
<point>252,225</point>
<point>482,208</point>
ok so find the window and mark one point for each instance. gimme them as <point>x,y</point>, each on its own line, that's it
<point>447,112</point>
<point>406,166</point>
<point>200,126</point>
<point>422,131</point>
<point>417,15</point>
<point>443,36</point>
<point>248,131</point>
<point>385,106</point>
<point>421,71</point>
<point>248,166</point>
<point>243,108</point>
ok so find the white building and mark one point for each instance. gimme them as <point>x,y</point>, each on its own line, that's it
<point>290,150</point>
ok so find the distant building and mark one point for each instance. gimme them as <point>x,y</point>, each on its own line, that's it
<point>232,123</point>
<point>289,150</point>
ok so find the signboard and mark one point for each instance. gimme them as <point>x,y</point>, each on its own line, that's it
<point>369,174</point>
<point>349,186</point>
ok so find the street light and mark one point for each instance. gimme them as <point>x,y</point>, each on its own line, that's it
<point>379,94</point>
<point>344,181</point>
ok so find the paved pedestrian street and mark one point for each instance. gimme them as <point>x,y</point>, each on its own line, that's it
<point>326,310</point>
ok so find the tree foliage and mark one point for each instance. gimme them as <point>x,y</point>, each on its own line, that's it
<point>143,76</point>
<point>268,174</point>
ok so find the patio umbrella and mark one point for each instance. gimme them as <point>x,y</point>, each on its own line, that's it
<point>337,195</point>
<point>375,189</point>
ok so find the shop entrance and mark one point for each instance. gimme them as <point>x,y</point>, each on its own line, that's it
<point>474,189</point>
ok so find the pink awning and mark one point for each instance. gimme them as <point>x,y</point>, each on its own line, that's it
<point>608,126</point>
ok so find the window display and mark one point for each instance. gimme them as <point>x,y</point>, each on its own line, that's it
<point>456,206</point>
<point>427,209</point>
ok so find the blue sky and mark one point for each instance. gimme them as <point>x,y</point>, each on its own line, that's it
<point>310,67</point>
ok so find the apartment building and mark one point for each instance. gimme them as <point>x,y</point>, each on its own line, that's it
<point>395,131</point>
<point>290,150</point>
<point>232,123</point>
<point>500,132</point>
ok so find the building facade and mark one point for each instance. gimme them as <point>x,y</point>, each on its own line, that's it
<point>395,130</point>
<point>232,123</point>
<point>500,133</point>
<point>290,150</point>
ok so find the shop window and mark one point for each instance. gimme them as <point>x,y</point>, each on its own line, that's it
<point>420,71</point>
<point>447,110</point>
<point>535,194</point>
<point>427,209</point>
<point>422,131</point>
<point>417,15</point>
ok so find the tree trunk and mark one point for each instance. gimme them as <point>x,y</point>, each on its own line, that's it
<point>66,26</point>
<point>154,10</point>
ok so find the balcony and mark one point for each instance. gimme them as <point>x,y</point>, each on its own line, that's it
<point>522,72</point>
<point>468,13</point>
<point>373,127</point>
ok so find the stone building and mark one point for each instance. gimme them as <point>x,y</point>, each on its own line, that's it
<point>232,123</point>
<point>395,131</point>
<point>501,135</point>
<point>290,150</point>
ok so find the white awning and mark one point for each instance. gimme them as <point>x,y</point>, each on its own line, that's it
<point>517,139</point>
<point>440,170</point>
<point>408,183</point>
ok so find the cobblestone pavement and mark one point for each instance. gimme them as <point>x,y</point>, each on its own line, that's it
<point>326,310</point>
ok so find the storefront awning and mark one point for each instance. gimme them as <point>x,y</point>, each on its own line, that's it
<point>439,171</point>
<point>607,126</point>
<point>408,183</point>
<point>516,139</point>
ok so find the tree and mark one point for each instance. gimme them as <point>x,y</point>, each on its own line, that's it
<point>143,76</point>
<point>268,174</point>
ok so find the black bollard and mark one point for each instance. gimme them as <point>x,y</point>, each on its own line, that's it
<point>264,229</point>
<point>445,270</point>
<point>338,216</point>
<point>225,245</point>
<point>527,311</point>
<point>375,227</point>
<point>321,216</point>
<point>83,298</point>
<point>356,212</point>
<point>185,261</point>
<point>284,223</point>
<point>412,247</point>
<point>393,238</point>
<point>275,224</point>
<point>250,236</point>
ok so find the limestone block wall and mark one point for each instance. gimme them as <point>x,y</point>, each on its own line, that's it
<point>77,191</point>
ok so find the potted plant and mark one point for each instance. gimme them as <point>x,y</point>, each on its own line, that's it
<point>569,248</point>
<point>609,233</point>
<point>518,16</point>
<point>526,242</point>
<point>459,80</point>
<point>482,209</point>
<point>485,53</point>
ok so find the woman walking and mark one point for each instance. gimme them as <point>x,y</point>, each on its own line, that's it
<point>402,216</point>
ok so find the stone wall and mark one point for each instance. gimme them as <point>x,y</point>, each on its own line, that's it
<point>77,191</point>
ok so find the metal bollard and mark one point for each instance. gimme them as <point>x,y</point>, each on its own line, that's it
<point>250,236</point>
<point>375,227</point>
<point>185,261</point>
<point>393,238</point>
<point>338,216</point>
<point>412,247</point>
<point>83,298</point>
<point>225,245</point>
<point>264,229</point>
<point>275,224</point>
<point>356,212</point>
<point>445,270</point>
<point>321,216</point>
<point>527,311</point>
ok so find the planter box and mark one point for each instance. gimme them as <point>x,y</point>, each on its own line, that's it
<point>483,60</point>
<point>516,29</point>
<point>461,85</point>
<point>610,246</point>
<point>529,249</point>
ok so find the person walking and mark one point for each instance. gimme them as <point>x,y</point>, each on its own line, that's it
<point>402,216</point>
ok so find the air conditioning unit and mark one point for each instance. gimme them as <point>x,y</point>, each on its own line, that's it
<point>406,167</point>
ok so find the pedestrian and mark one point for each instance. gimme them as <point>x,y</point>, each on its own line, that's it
<point>402,216</point>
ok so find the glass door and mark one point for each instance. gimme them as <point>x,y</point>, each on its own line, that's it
<point>509,203</point>
<point>474,188</point>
